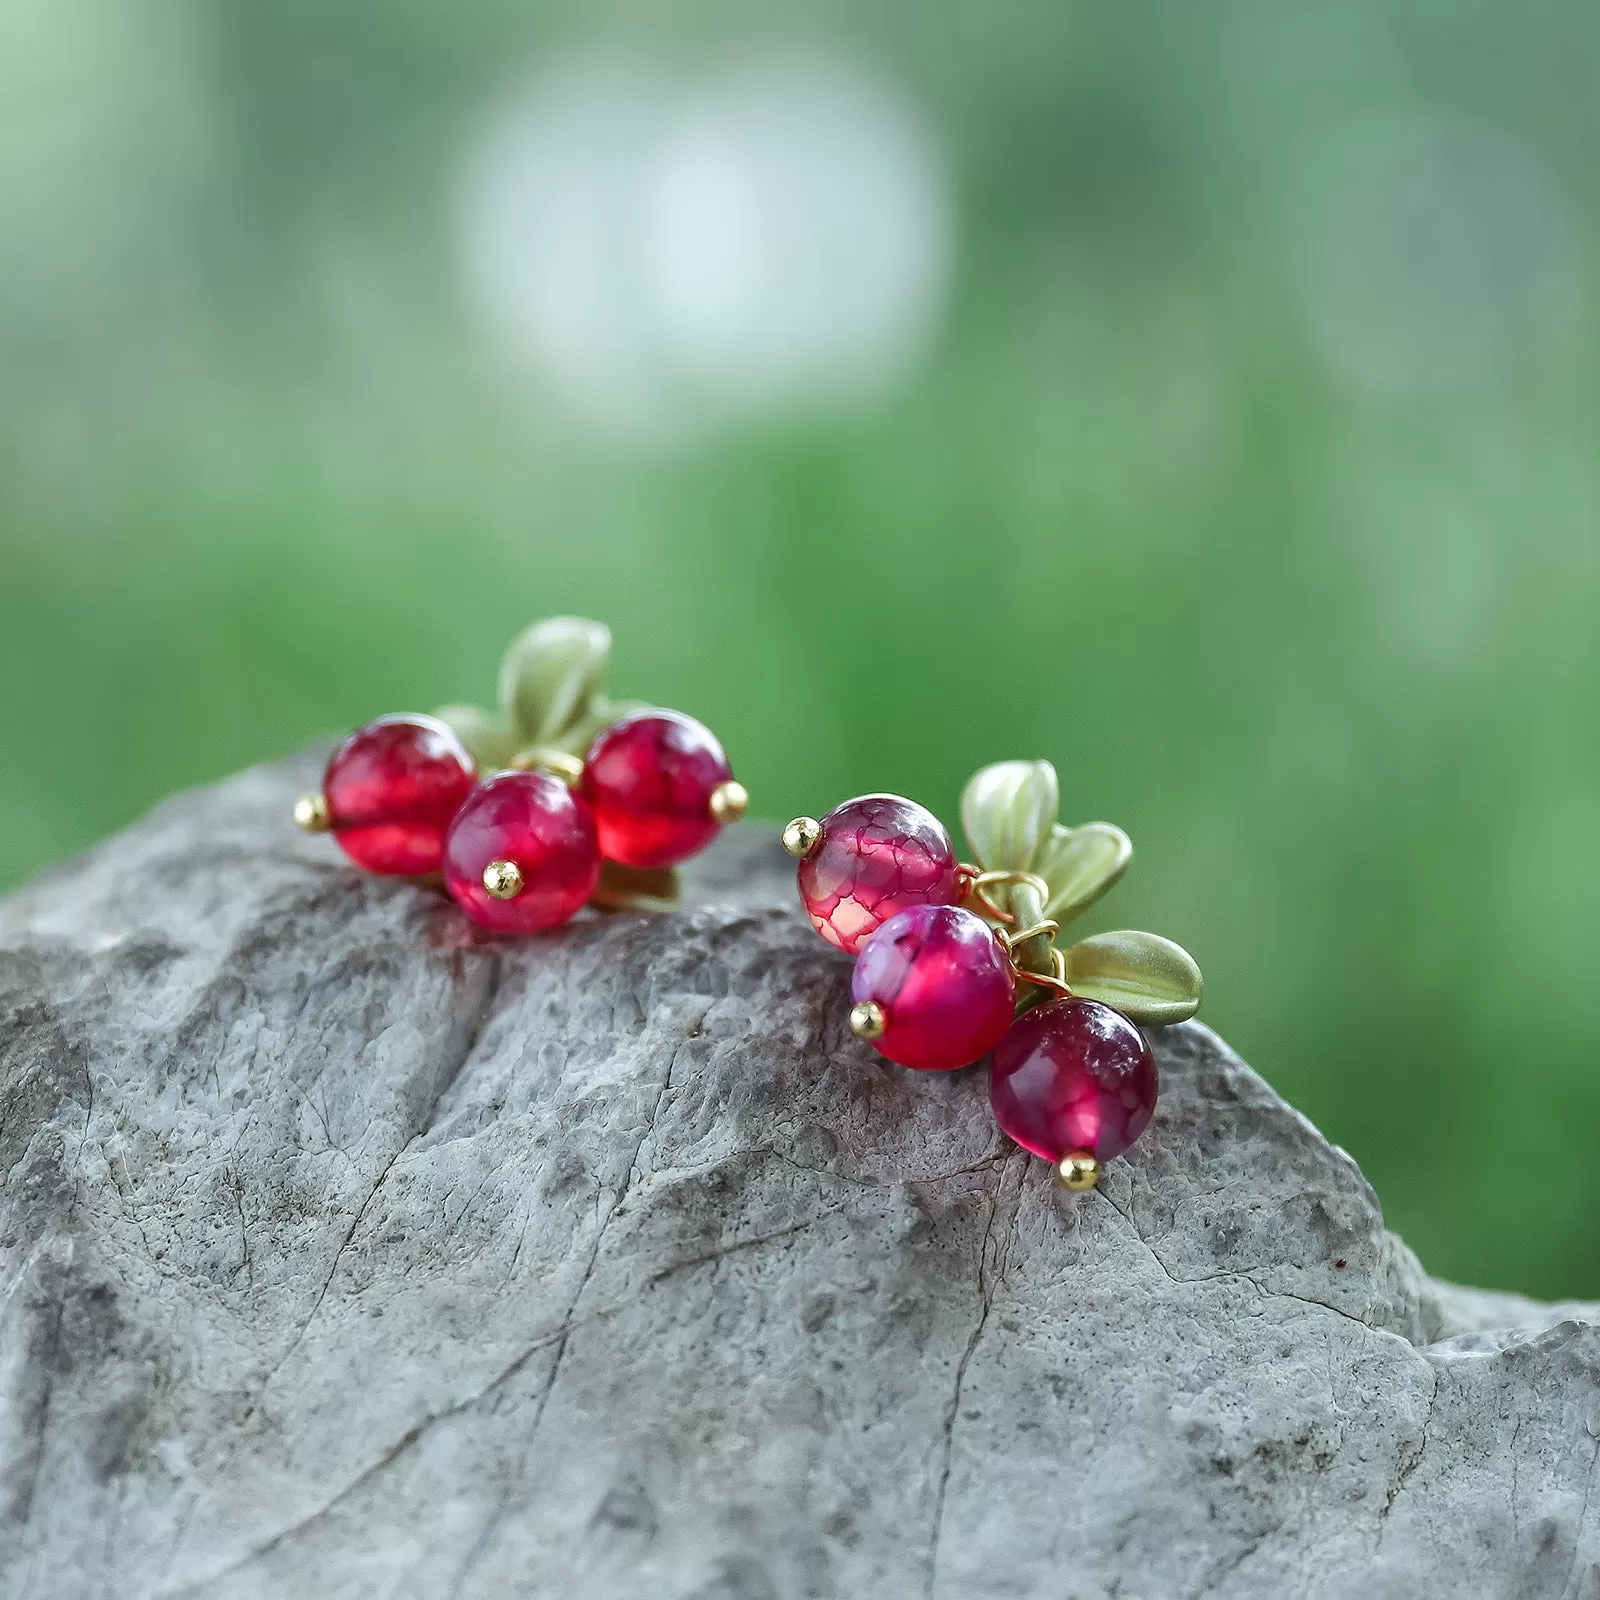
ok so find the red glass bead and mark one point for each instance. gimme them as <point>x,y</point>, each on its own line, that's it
<point>540,825</point>
<point>392,788</point>
<point>649,779</point>
<point>877,856</point>
<point>944,984</point>
<point>1073,1075</point>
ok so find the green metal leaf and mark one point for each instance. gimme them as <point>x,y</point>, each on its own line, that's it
<point>550,676</point>
<point>483,733</point>
<point>600,715</point>
<point>1007,812</point>
<point>1080,864</point>
<point>1142,975</point>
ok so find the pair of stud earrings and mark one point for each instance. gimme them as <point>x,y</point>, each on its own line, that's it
<point>589,799</point>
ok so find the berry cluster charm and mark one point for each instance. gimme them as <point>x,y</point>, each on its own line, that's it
<point>956,961</point>
<point>579,796</point>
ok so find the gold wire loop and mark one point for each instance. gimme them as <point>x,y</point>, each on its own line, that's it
<point>1056,978</point>
<point>1008,933</point>
<point>978,882</point>
<point>556,762</point>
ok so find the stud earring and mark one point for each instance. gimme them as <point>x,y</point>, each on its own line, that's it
<point>581,798</point>
<point>958,960</point>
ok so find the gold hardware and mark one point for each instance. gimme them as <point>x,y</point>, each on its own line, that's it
<point>978,881</point>
<point>868,1021</point>
<point>1055,979</point>
<point>729,801</point>
<point>802,836</point>
<point>558,763</point>
<point>1077,1171</point>
<point>311,813</point>
<point>503,880</point>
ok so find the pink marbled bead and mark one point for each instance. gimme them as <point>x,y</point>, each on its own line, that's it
<point>649,779</point>
<point>543,828</point>
<point>944,983</point>
<point>1073,1075</point>
<point>877,856</point>
<point>392,789</point>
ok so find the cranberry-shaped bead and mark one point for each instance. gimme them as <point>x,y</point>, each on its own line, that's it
<point>651,780</point>
<point>933,988</point>
<point>875,857</point>
<point>390,790</point>
<point>1073,1075</point>
<point>521,854</point>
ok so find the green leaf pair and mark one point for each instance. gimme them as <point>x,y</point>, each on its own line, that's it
<point>1008,812</point>
<point>550,695</point>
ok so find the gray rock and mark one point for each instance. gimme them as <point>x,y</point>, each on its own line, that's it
<point>345,1254</point>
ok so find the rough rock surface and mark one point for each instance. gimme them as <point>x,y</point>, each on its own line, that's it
<point>342,1254</point>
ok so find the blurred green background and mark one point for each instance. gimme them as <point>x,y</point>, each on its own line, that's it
<point>1204,398</point>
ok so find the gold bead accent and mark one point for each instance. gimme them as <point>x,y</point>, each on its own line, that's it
<point>802,837</point>
<point>867,1020</point>
<point>311,813</point>
<point>503,880</point>
<point>729,801</point>
<point>1077,1171</point>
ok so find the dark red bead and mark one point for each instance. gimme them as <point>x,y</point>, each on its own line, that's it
<point>1073,1075</point>
<point>539,824</point>
<point>392,788</point>
<point>944,984</point>
<point>877,856</point>
<point>649,779</point>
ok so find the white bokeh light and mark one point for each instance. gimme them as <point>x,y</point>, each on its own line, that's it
<point>664,253</point>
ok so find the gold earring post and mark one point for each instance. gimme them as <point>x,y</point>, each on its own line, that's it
<point>729,802</point>
<point>1077,1171</point>
<point>503,880</point>
<point>311,813</point>
<point>802,836</point>
<point>868,1020</point>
